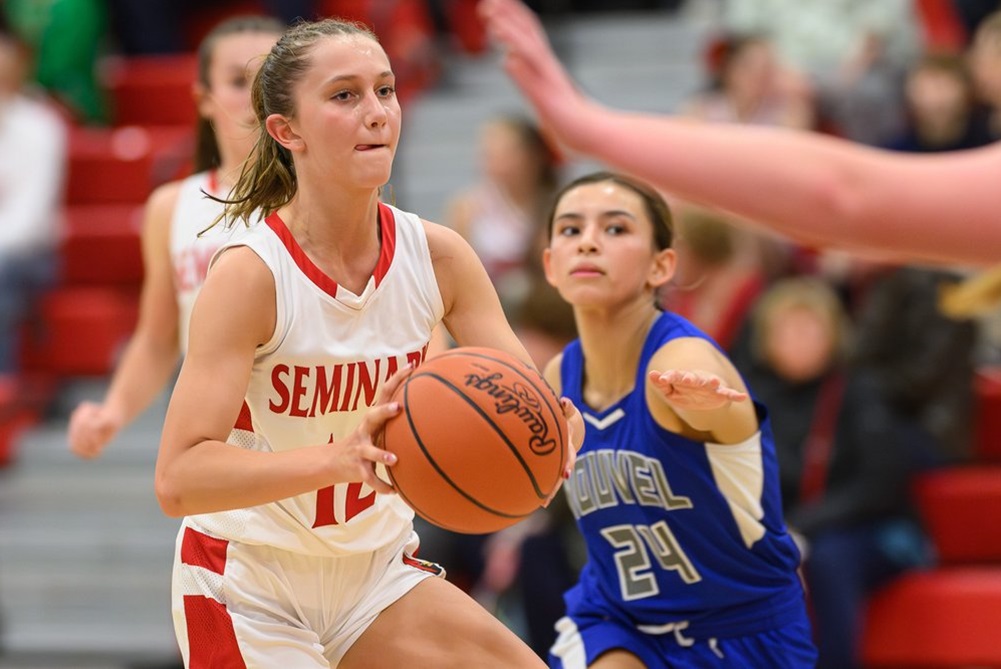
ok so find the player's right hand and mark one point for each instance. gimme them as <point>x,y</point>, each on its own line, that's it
<point>530,62</point>
<point>361,451</point>
<point>91,427</point>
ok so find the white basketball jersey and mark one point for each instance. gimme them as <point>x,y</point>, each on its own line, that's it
<point>190,252</point>
<point>317,376</point>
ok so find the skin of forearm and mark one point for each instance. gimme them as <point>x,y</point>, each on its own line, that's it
<point>145,368</point>
<point>215,476</point>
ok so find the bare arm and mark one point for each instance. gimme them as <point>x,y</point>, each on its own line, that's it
<point>473,313</point>
<point>813,188</point>
<point>689,380</point>
<point>152,352</point>
<point>196,471</point>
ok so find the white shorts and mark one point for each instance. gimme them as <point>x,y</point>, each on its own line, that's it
<point>241,605</point>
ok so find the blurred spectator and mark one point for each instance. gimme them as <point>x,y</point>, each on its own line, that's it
<point>716,281</point>
<point>922,360</point>
<point>971,12</point>
<point>940,107</point>
<point>747,87</point>
<point>66,36</point>
<point>149,27</point>
<point>853,53</point>
<point>984,57</point>
<point>844,466</point>
<point>502,214</point>
<point>32,170</point>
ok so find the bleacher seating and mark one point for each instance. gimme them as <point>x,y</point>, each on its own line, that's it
<point>948,617</point>
<point>79,328</point>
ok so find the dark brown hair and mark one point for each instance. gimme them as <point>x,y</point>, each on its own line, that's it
<point>656,207</point>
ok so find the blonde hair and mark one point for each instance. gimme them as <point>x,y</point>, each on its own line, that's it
<point>972,297</point>
<point>268,181</point>
<point>801,292</point>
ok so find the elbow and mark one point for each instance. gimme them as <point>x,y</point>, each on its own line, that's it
<point>169,496</point>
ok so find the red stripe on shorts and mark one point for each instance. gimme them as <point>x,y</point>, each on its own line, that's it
<point>423,565</point>
<point>201,550</point>
<point>211,638</point>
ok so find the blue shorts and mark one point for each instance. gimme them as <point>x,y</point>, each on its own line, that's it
<point>581,642</point>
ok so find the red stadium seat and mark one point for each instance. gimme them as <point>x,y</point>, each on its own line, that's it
<point>15,418</point>
<point>941,619</point>
<point>987,417</point>
<point>961,510</point>
<point>81,330</point>
<point>124,164</point>
<point>152,90</point>
<point>101,244</point>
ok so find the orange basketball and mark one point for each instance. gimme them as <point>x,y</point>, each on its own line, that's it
<point>481,441</point>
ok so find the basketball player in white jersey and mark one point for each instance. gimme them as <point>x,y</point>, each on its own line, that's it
<point>294,551</point>
<point>175,257</point>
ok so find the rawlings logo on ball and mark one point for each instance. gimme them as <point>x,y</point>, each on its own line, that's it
<point>519,399</point>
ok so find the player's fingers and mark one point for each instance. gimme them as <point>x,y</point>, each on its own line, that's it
<point>376,417</point>
<point>734,395</point>
<point>369,475</point>
<point>392,384</point>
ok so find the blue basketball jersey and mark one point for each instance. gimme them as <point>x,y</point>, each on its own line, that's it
<point>680,534</point>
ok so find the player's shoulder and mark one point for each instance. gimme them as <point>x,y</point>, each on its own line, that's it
<point>164,197</point>
<point>443,241</point>
<point>242,265</point>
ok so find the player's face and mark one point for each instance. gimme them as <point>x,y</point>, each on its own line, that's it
<point>226,100</point>
<point>799,344</point>
<point>347,115</point>
<point>602,251</point>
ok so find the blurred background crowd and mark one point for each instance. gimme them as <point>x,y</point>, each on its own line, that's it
<point>885,408</point>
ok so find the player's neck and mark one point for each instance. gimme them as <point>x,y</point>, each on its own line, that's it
<point>612,345</point>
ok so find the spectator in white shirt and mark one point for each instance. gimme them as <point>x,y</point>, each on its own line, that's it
<point>32,169</point>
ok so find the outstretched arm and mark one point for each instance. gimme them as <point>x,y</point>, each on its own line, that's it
<point>690,380</point>
<point>152,353</point>
<point>816,189</point>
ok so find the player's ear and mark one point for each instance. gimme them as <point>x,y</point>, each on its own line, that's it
<point>662,269</point>
<point>203,100</point>
<point>280,128</point>
<point>547,259</point>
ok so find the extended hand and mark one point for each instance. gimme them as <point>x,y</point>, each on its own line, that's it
<point>695,390</point>
<point>531,63</point>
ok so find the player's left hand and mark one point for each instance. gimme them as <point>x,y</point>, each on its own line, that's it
<point>695,390</point>
<point>575,439</point>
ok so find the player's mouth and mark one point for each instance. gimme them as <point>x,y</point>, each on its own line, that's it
<point>586,269</point>
<point>369,147</point>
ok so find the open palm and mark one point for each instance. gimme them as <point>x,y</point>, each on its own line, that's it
<point>695,390</point>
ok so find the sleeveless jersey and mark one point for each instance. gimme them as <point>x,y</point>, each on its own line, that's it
<point>680,534</point>
<point>313,381</point>
<point>190,252</point>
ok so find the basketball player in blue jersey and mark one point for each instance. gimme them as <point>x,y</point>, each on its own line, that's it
<point>676,486</point>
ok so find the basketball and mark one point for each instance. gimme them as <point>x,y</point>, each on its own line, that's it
<point>481,441</point>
